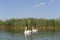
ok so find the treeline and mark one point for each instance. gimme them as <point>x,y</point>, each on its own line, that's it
<point>40,23</point>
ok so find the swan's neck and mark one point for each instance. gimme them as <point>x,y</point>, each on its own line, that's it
<point>25,30</point>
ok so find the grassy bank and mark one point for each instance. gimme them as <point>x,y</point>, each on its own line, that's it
<point>39,23</point>
<point>23,28</point>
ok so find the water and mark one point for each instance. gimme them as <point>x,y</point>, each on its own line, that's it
<point>41,35</point>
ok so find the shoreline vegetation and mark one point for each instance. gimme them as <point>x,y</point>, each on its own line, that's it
<point>39,23</point>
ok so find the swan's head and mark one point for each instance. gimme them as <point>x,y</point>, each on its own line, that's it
<point>25,28</point>
<point>32,27</point>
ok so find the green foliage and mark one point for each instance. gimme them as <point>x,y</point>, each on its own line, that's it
<point>36,22</point>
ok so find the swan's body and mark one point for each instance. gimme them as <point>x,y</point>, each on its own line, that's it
<point>34,30</point>
<point>27,32</point>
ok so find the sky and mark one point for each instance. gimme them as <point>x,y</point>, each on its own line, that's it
<point>29,8</point>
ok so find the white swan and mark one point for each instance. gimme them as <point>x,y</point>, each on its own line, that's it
<point>27,32</point>
<point>34,30</point>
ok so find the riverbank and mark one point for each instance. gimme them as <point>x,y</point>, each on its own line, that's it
<point>39,23</point>
<point>30,28</point>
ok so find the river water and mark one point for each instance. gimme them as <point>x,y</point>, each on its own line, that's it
<point>41,35</point>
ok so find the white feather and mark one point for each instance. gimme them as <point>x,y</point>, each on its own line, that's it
<point>34,30</point>
<point>27,32</point>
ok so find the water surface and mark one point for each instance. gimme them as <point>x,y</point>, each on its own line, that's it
<point>41,35</point>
